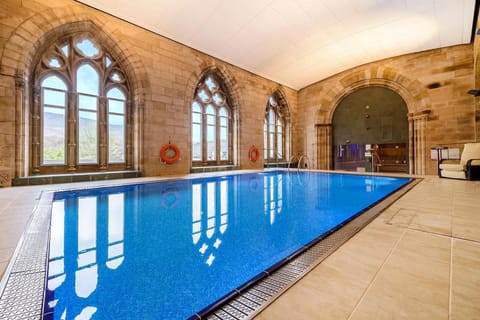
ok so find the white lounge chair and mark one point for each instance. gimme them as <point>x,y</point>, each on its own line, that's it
<point>468,167</point>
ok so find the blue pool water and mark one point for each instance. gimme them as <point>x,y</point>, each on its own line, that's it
<point>168,250</point>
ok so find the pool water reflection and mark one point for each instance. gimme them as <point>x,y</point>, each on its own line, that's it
<point>167,250</point>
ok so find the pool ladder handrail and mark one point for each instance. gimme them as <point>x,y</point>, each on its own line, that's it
<point>299,157</point>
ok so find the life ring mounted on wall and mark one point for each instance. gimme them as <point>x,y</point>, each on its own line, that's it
<point>166,153</point>
<point>253,154</point>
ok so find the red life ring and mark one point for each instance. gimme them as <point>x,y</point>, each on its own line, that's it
<point>166,158</point>
<point>253,153</point>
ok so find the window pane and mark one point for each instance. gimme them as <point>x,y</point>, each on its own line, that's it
<point>87,80</point>
<point>204,95</point>
<point>271,116</point>
<point>53,135</point>
<point>271,151</point>
<point>210,109</point>
<point>116,138</point>
<point>115,106</point>
<point>196,117</point>
<point>211,84</point>
<point>211,143</point>
<point>196,142</point>
<point>87,132</point>
<point>271,128</point>
<point>265,140</point>
<point>54,82</point>
<point>65,49</point>
<point>87,48</point>
<point>219,99</point>
<point>223,122</point>
<point>196,107</point>
<point>87,102</point>
<point>53,97</point>
<point>280,145</point>
<point>211,120</point>
<point>116,94</point>
<point>223,143</point>
<point>223,112</point>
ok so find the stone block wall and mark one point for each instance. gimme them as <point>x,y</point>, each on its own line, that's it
<point>433,83</point>
<point>163,74</point>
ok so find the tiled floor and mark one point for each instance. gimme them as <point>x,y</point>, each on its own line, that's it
<point>418,260</point>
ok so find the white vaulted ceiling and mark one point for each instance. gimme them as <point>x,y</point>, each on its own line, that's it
<point>299,42</point>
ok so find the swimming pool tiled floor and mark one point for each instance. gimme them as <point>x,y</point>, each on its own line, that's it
<point>418,260</point>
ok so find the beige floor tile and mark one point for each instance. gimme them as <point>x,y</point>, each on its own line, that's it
<point>3,267</point>
<point>432,222</point>
<point>402,218</point>
<point>5,254</point>
<point>325,293</point>
<point>466,228</point>
<point>331,290</point>
<point>413,283</point>
<point>465,280</point>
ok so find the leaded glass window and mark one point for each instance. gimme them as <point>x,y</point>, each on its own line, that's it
<point>80,115</point>
<point>274,130</point>
<point>211,124</point>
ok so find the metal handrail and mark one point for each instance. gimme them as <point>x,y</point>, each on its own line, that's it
<point>299,156</point>
<point>300,161</point>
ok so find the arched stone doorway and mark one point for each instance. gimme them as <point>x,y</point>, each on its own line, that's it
<point>367,117</point>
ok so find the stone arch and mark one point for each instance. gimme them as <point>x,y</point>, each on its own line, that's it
<point>412,92</point>
<point>233,94</point>
<point>283,99</point>
<point>28,41</point>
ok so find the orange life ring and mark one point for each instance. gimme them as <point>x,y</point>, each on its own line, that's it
<point>166,158</point>
<point>253,153</point>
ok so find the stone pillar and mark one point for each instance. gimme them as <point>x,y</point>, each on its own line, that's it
<point>129,135</point>
<point>411,143</point>
<point>36,131</point>
<point>21,149</point>
<point>71,131</point>
<point>137,113</point>
<point>324,146</point>
<point>102,134</point>
<point>418,124</point>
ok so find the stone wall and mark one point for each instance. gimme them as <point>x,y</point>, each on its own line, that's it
<point>162,73</point>
<point>434,85</point>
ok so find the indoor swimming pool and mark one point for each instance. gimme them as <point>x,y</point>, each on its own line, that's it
<point>173,249</point>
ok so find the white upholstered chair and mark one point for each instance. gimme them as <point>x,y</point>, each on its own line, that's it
<point>468,167</point>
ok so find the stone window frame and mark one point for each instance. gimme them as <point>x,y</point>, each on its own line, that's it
<point>278,105</point>
<point>201,84</point>
<point>69,61</point>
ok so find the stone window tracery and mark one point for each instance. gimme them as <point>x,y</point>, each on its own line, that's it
<point>211,124</point>
<point>80,114</point>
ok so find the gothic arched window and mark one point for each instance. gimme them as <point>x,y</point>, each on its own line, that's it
<point>274,130</point>
<point>80,115</point>
<point>211,123</point>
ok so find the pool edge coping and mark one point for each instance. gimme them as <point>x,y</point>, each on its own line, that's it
<point>31,268</point>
